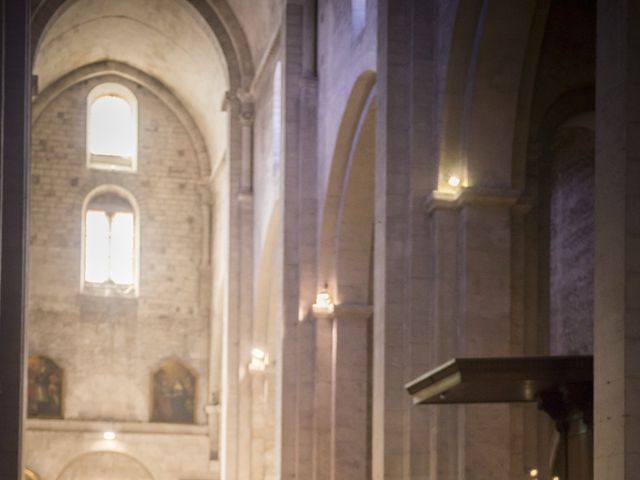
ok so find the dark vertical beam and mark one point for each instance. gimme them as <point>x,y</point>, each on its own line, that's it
<point>14,144</point>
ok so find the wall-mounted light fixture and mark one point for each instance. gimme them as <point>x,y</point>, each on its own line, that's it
<point>533,473</point>
<point>259,360</point>
<point>109,435</point>
<point>324,303</point>
<point>454,181</point>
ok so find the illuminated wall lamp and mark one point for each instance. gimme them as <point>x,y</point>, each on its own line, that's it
<point>259,360</point>
<point>109,435</point>
<point>324,304</point>
<point>454,181</point>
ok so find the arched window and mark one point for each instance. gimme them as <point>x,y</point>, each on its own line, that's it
<point>358,16</point>
<point>110,243</point>
<point>112,128</point>
<point>276,120</point>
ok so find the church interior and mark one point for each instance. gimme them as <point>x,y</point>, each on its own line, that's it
<point>319,240</point>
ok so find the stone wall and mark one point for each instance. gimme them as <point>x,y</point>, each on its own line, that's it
<point>109,346</point>
<point>571,242</point>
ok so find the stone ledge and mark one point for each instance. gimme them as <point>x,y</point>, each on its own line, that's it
<point>89,426</point>
<point>471,196</point>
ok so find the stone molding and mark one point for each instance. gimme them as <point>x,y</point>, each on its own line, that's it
<point>88,426</point>
<point>471,196</point>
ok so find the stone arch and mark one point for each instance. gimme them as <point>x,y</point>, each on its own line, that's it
<point>104,465</point>
<point>266,321</point>
<point>218,15</point>
<point>127,72</point>
<point>361,102</point>
<point>354,238</point>
<point>490,45</point>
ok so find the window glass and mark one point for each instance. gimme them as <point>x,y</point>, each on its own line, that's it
<point>358,15</point>
<point>97,247</point>
<point>112,127</point>
<point>121,248</point>
<point>109,241</point>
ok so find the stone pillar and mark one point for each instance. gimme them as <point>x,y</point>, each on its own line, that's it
<point>444,444</point>
<point>617,243</point>
<point>323,395</point>
<point>15,96</point>
<point>237,323</point>
<point>406,171</point>
<point>245,288</point>
<point>350,403</point>
<point>296,373</point>
<point>485,325</point>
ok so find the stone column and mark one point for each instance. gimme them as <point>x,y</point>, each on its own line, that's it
<point>237,324</point>
<point>351,390</point>
<point>444,444</point>
<point>15,72</point>
<point>406,171</point>
<point>245,288</point>
<point>323,395</point>
<point>485,325</point>
<point>617,243</point>
<point>299,192</point>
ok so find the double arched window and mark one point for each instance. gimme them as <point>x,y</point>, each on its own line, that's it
<point>110,242</point>
<point>112,128</point>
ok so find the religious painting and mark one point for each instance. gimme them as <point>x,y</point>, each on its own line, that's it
<point>44,391</point>
<point>174,391</point>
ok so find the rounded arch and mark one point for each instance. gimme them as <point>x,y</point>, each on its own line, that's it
<point>127,72</point>
<point>218,16</point>
<point>104,465</point>
<point>354,232</point>
<point>360,102</point>
<point>483,90</point>
<point>114,189</point>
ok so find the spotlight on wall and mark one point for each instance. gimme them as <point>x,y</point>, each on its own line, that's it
<point>109,435</point>
<point>556,478</point>
<point>533,472</point>
<point>324,304</point>
<point>454,181</point>
<point>259,360</point>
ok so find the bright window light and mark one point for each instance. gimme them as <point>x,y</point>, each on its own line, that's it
<point>109,247</point>
<point>112,127</point>
<point>97,247</point>
<point>358,15</point>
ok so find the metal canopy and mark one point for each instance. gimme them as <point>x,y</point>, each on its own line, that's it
<point>499,380</point>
